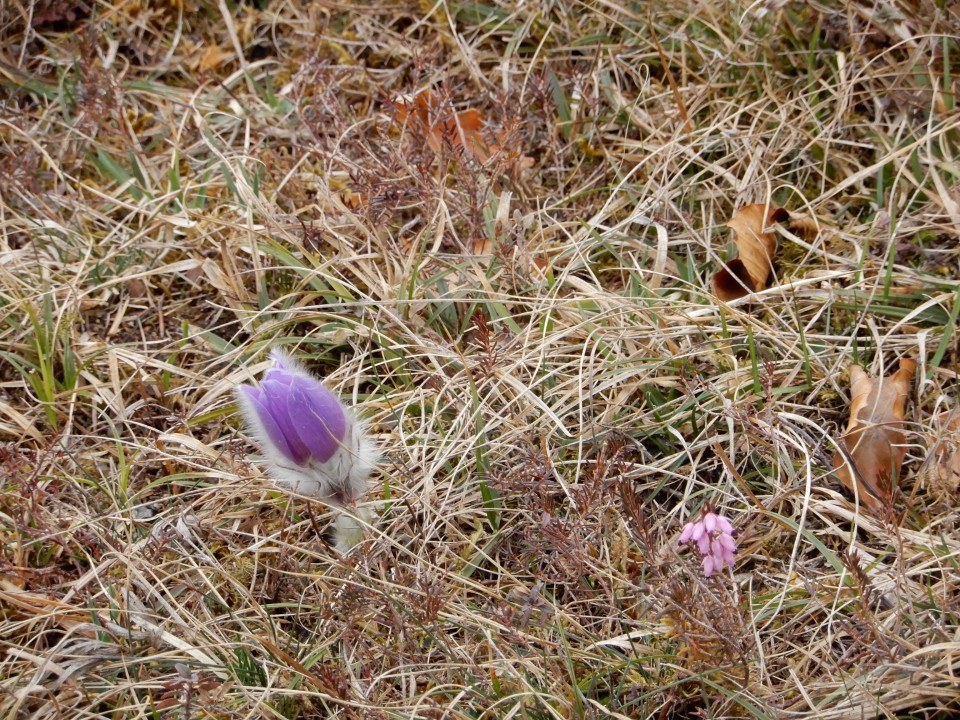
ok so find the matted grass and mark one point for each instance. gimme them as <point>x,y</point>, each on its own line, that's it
<point>535,343</point>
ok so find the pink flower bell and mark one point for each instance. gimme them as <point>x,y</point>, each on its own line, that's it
<point>713,535</point>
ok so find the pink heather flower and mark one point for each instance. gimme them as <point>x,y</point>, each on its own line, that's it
<point>313,444</point>
<point>713,535</point>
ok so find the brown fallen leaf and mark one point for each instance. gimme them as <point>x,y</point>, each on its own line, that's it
<point>750,270</point>
<point>426,112</point>
<point>874,442</point>
<point>943,470</point>
<point>466,130</point>
<point>136,288</point>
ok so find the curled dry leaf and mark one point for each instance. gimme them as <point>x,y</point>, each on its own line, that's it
<point>874,443</point>
<point>943,470</point>
<point>750,270</point>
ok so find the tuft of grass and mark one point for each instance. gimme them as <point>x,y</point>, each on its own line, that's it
<point>532,339</point>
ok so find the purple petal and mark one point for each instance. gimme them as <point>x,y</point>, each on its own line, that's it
<point>708,565</point>
<point>716,550</point>
<point>279,376</point>
<point>278,400</point>
<point>698,531</point>
<point>727,542</point>
<point>686,533</point>
<point>317,417</point>
<point>704,544</point>
<point>725,525</point>
<point>710,522</point>
<point>256,404</point>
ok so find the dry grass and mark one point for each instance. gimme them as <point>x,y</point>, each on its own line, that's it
<point>555,388</point>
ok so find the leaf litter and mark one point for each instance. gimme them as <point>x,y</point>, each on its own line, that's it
<point>467,131</point>
<point>875,444</point>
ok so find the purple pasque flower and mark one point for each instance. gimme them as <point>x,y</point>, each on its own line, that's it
<point>311,441</point>
<point>303,419</point>
<point>713,535</point>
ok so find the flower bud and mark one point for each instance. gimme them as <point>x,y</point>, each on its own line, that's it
<point>312,443</point>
